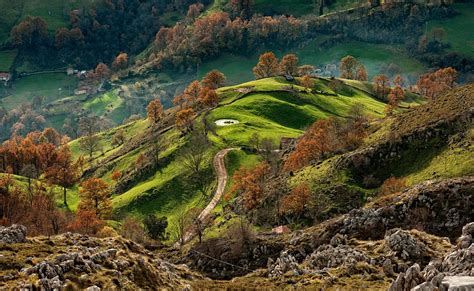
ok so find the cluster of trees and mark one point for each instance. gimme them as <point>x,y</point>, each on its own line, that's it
<point>98,34</point>
<point>327,136</point>
<point>351,68</point>
<point>186,46</point>
<point>250,184</point>
<point>197,96</point>
<point>21,120</point>
<point>432,84</point>
<point>269,66</point>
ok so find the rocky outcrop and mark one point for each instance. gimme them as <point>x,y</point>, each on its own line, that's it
<point>12,234</point>
<point>404,244</point>
<point>328,256</point>
<point>439,207</point>
<point>413,134</point>
<point>284,264</point>
<point>455,270</point>
<point>74,261</point>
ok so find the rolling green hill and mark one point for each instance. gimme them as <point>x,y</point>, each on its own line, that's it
<point>269,107</point>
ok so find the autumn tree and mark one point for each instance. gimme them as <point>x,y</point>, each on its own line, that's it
<point>306,70</point>
<point>208,97</point>
<point>190,95</point>
<point>324,137</point>
<point>184,119</point>
<point>213,80</point>
<point>86,221</point>
<point>95,195</point>
<point>250,184</point>
<point>289,65</point>
<point>120,62</point>
<point>348,67</point>
<point>267,66</point>
<point>382,85</point>
<point>102,71</point>
<point>307,82</point>
<point>361,74</point>
<point>64,172</point>
<point>116,176</point>
<point>399,81</point>
<point>30,32</point>
<point>431,85</point>
<point>155,111</point>
<point>90,144</point>
<point>294,203</point>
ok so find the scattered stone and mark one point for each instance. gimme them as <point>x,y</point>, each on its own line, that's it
<point>13,234</point>
<point>404,244</point>
<point>408,280</point>
<point>327,256</point>
<point>284,264</point>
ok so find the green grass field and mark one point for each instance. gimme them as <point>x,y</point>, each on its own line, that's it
<point>52,86</point>
<point>458,29</point>
<point>282,114</point>
<point>238,69</point>
<point>7,58</point>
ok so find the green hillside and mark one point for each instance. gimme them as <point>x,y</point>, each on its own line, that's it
<point>272,109</point>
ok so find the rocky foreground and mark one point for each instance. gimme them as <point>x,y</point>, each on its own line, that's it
<point>74,261</point>
<point>420,239</point>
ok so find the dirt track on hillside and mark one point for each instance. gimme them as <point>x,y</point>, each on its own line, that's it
<point>221,173</point>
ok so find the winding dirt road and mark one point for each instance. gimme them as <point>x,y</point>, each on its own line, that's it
<point>221,173</point>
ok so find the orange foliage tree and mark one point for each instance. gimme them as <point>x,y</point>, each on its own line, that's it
<point>184,119</point>
<point>432,84</point>
<point>154,111</point>
<point>348,67</point>
<point>208,97</point>
<point>63,172</point>
<point>323,137</point>
<point>295,202</point>
<point>361,73</point>
<point>267,66</point>
<point>250,184</point>
<point>382,85</point>
<point>289,65</point>
<point>95,195</point>
<point>189,96</point>
<point>120,62</point>
<point>213,80</point>
<point>86,221</point>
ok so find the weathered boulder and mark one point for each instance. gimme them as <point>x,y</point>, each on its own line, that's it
<point>404,244</point>
<point>408,280</point>
<point>282,265</point>
<point>327,256</point>
<point>13,234</point>
<point>459,262</point>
